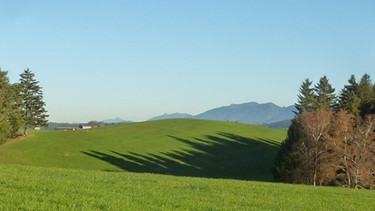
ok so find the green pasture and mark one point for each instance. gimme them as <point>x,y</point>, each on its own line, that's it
<point>181,147</point>
<point>180,164</point>
<point>37,188</point>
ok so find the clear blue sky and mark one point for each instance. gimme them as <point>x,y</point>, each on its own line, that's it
<point>137,59</point>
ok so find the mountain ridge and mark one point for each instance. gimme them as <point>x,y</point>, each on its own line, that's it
<point>250,113</point>
<point>265,114</point>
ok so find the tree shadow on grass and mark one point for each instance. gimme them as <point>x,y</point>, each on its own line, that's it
<point>224,155</point>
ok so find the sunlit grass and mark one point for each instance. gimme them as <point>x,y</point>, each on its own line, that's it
<point>36,188</point>
<point>183,147</point>
<point>161,165</point>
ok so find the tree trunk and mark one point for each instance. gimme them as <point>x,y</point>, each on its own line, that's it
<point>25,131</point>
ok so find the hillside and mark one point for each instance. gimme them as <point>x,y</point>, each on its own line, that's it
<point>181,147</point>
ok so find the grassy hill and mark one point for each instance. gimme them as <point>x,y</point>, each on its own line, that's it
<point>99,169</point>
<point>184,147</point>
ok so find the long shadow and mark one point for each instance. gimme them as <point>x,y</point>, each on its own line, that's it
<point>224,155</point>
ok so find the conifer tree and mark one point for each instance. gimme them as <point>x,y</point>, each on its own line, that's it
<point>4,124</point>
<point>306,97</point>
<point>15,118</point>
<point>10,121</point>
<point>33,112</point>
<point>348,99</point>
<point>325,93</point>
<point>366,95</point>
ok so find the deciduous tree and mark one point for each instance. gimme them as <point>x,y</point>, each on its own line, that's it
<point>301,155</point>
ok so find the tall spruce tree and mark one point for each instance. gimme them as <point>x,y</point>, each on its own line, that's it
<point>348,99</point>
<point>325,93</point>
<point>33,112</point>
<point>366,95</point>
<point>306,98</point>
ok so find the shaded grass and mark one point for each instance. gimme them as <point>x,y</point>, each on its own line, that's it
<point>183,147</point>
<point>35,188</point>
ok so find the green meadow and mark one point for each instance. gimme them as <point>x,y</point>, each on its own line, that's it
<point>173,147</point>
<point>36,188</point>
<point>181,164</point>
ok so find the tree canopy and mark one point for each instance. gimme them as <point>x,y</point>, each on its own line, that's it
<point>332,142</point>
<point>21,104</point>
<point>33,107</point>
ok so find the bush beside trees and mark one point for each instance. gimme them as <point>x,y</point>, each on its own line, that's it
<point>332,139</point>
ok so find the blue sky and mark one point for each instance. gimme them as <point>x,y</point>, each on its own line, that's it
<point>137,59</point>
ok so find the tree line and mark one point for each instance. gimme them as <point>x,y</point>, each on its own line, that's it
<point>21,105</point>
<point>331,140</point>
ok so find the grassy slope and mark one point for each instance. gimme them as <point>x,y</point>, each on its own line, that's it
<point>184,147</point>
<point>173,147</point>
<point>36,188</point>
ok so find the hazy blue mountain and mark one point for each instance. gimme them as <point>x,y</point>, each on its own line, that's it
<point>116,120</point>
<point>252,113</point>
<point>171,116</point>
<point>266,114</point>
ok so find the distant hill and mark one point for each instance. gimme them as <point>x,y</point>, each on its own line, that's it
<point>172,116</point>
<point>116,120</point>
<point>266,114</point>
<point>253,113</point>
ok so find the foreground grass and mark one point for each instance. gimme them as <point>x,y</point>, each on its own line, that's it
<point>180,147</point>
<point>36,188</point>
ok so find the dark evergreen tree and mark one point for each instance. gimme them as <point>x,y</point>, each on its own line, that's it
<point>348,99</point>
<point>4,123</point>
<point>33,112</point>
<point>306,98</point>
<point>325,93</point>
<point>366,95</point>
<point>10,121</point>
<point>15,118</point>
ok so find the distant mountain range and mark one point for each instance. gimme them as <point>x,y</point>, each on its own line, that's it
<point>267,114</point>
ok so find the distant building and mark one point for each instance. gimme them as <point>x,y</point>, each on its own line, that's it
<point>65,128</point>
<point>84,127</point>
